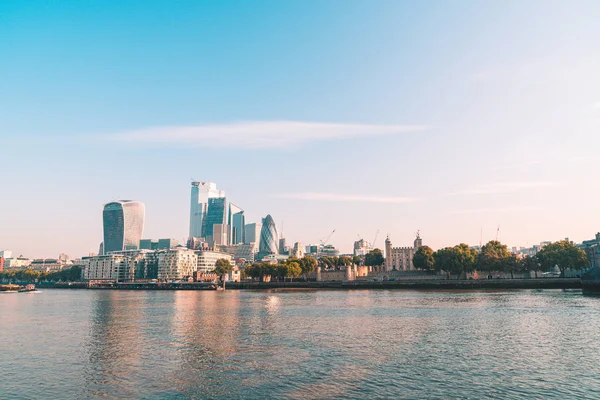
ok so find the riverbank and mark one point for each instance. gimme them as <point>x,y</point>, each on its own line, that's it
<point>497,284</point>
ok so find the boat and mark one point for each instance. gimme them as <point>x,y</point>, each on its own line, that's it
<point>10,288</point>
<point>28,288</point>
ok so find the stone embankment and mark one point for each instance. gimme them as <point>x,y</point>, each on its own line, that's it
<point>545,283</point>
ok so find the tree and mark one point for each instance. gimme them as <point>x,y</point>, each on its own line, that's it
<point>374,258</point>
<point>530,263</point>
<point>356,260</point>
<point>344,261</point>
<point>423,258</point>
<point>455,260</point>
<point>308,264</point>
<point>564,255</point>
<point>493,257</point>
<point>222,268</point>
<point>293,269</point>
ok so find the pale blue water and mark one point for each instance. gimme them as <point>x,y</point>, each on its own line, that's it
<point>76,344</point>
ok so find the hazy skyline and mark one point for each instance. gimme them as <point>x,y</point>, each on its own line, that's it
<point>452,118</point>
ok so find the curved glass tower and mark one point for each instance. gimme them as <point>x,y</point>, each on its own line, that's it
<point>123,223</point>
<point>268,236</point>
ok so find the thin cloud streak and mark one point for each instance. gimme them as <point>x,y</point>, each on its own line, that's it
<point>493,210</point>
<point>346,198</point>
<point>504,187</point>
<point>257,134</point>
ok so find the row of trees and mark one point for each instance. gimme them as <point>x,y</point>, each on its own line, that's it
<point>290,268</point>
<point>495,257</point>
<point>72,274</point>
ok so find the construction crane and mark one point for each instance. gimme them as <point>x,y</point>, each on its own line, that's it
<point>324,242</point>
<point>375,240</point>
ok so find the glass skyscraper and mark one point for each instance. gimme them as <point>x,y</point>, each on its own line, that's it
<point>268,237</point>
<point>237,223</point>
<point>200,194</point>
<point>217,214</point>
<point>123,223</point>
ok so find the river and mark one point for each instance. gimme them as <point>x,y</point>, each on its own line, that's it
<point>299,344</point>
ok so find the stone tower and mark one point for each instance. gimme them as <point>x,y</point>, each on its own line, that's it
<point>418,240</point>
<point>388,254</point>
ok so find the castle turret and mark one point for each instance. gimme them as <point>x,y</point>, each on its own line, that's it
<point>388,254</point>
<point>418,241</point>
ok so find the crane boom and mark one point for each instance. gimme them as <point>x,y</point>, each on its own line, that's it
<point>375,240</point>
<point>324,242</point>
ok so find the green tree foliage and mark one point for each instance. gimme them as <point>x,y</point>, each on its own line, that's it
<point>530,263</point>
<point>293,269</point>
<point>423,258</point>
<point>455,260</point>
<point>308,264</point>
<point>222,267</point>
<point>72,274</point>
<point>564,255</point>
<point>356,260</point>
<point>374,258</point>
<point>494,256</point>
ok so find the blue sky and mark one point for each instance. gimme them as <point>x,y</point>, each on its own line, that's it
<point>448,117</point>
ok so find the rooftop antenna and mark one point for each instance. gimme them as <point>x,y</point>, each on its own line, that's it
<point>497,232</point>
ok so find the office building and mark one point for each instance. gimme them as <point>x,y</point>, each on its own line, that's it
<point>127,265</point>
<point>207,260</point>
<point>217,214</point>
<point>297,251</point>
<point>268,237</point>
<point>220,237</point>
<point>123,223</point>
<point>160,244</point>
<point>362,248</point>
<point>5,254</point>
<point>104,267</point>
<point>200,195</point>
<point>252,233</point>
<point>283,249</point>
<point>17,263</point>
<point>237,223</point>
<point>176,264</point>
<point>240,251</point>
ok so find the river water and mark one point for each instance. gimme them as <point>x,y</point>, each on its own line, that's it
<point>72,344</point>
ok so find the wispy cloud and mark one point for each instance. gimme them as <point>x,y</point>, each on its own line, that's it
<point>504,187</point>
<point>346,198</point>
<point>257,134</point>
<point>493,210</point>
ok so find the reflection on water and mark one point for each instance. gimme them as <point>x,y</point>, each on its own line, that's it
<point>300,344</point>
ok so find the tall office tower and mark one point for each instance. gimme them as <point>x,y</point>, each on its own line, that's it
<point>217,214</point>
<point>201,193</point>
<point>123,222</point>
<point>252,233</point>
<point>236,223</point>
<point>283,246</point>
<point>220,235</point>
<point>268,236</point>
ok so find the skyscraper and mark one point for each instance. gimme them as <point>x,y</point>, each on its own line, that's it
<point>123,222</point>
<point>201,193</point>
<point>237,223</point>
<point>217,214</point>
<point>252,233</point>
<point>268,236</point>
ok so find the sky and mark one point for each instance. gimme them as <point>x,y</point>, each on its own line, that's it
<point>463,120</point>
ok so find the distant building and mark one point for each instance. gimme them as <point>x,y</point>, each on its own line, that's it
<point>237,223</point>
<point>128,265</point>
<point>197,244</point>
<point>123,223</point>
<point>200,195</point>
<point>328,250</point>
<point>160,244</point>
<point>401,258</point>
<point>17,263</point>
<point>49,264</point>
<point>268,237</point>
<point>176,264</point>
<point>283,249</point>
<point>207,260</point>
<point>240,251</point>
<point>5,254</point>
<point>362,248</point>
<point>219,237</point>
<point>297,251</point>
<point>1,263</point>
<point>216,215</point>
<point>252,233</point>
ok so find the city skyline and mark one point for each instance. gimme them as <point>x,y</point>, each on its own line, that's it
<point>388,116</point>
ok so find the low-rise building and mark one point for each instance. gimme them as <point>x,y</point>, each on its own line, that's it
<point>49,264</point>
<point>17,263</point>
<point>207,260</point>
<point>104,267</point>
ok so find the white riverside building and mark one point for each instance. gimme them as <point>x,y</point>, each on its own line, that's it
<point>176,264</point>
<point>207,259</point>
<point>400,258</point>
